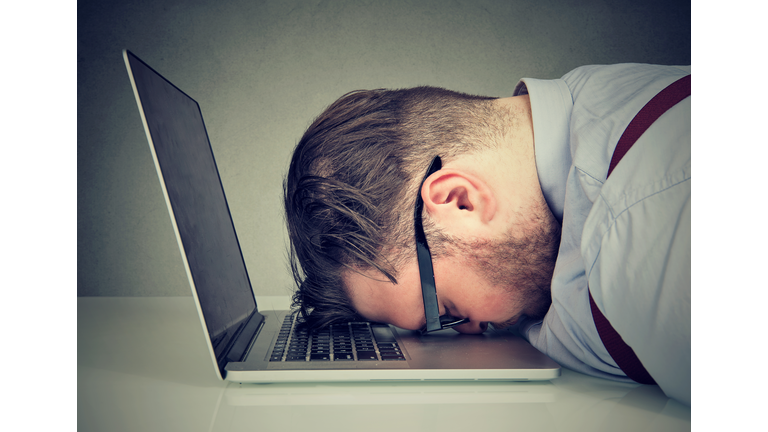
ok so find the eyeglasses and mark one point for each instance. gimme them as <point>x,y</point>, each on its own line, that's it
<point>435,322</point>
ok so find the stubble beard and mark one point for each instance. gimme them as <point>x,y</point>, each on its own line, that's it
<point>520,263</point>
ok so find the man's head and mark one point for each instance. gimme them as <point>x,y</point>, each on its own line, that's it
<point>350,194</point>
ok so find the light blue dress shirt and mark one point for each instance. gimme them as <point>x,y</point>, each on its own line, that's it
<point>626,239</point>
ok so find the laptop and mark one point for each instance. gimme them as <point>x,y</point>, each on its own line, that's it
<point>252,346</point>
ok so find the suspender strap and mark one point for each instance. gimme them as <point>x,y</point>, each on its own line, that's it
<point>664,100</point>
<point>621,353</point>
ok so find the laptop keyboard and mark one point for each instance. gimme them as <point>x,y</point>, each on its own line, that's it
<point>353,341</point>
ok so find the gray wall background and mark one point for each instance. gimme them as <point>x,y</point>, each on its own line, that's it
<point>262,70</point>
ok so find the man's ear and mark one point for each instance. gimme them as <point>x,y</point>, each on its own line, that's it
<point>458,200</point>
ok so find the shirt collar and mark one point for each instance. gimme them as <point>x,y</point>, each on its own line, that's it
<point>551,105</point>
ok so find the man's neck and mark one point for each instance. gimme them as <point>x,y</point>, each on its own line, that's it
<point>518,139</point>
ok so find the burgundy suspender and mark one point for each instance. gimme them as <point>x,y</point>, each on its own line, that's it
<point>664,100</point>
<point>621,353</point>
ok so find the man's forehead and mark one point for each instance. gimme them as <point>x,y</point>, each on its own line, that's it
<point>376,298</point>
<point>361,284</point>
<point>365,293</point>
<point>360,276</point>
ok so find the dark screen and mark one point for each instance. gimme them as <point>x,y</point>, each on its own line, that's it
<point>188,169</point>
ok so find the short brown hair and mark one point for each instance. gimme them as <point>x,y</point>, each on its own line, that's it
<point>351,186</point>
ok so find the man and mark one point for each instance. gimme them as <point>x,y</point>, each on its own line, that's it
<point>524,224</point>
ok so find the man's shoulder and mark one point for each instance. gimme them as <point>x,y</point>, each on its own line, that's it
<point>627,72</point>
<point>615,84</point>
<point>605,100</point>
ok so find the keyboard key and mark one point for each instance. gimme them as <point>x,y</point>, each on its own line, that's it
<point>321,357</point>
<point>388,356</point>
<point>366,355</point>
<point>296,358</point>
<point>387,345</point>
<point>382,334</point>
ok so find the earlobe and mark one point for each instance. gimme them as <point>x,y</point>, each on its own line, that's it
<point>454,197</point>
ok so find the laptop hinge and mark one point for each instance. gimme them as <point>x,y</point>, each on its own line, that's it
<point>241,342</point>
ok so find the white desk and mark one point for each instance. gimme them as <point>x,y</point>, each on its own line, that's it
<point>143,366</point>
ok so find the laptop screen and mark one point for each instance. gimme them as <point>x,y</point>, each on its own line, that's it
<point>196,196</point>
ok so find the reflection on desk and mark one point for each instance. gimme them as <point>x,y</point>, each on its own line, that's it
<point>143,366</point>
